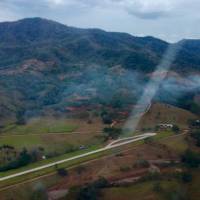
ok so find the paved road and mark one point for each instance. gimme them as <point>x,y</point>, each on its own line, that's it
<point>129,139</point>
<point>120,142</point>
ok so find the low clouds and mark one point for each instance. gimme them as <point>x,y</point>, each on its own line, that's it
<point>145,9</point>
<point>170,20</point>
<point>149,9</point>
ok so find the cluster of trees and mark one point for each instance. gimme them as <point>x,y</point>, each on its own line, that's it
<point>5,146</point>
<point>187,102</point>
<point>194,123</point>
<point>23,158</point>
<point>106,117</point>
<point>113,133</point>
<point>62,172</point>
<point>196,136</point>
<point>20,119</point>
<point>191,159</point>
<point>93,190</point>
<point>176,129</point>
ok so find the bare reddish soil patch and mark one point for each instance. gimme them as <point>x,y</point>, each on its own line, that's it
<point>116,167</point>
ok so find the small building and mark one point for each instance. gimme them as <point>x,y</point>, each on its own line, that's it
<point>82,147</point>
<point>154,169</point>
<point>165,126</point>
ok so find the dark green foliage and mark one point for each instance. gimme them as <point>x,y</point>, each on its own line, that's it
<point>196,136</point>
<point>194,123</point>
<point>92,190</point>
<point>23,159</point>
<point>195,108</point>
<point>44,63</point>
<point>175,129</point>
<point>191,159</point>
<point>114,133</point>
<point>149,140</point>
<point>186,177</point>
<point>186,101</point>
<point>157,187</point>
<point>62,172</point>
<point>106,117</point>
<point>176,194</point>
<point>20,117</point>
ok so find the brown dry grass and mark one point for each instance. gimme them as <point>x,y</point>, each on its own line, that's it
<point>163,113</point>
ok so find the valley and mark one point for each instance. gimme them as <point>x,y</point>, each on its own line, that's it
<point>85,116</point>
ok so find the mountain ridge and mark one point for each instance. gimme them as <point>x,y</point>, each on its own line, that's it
<point>45,64</point>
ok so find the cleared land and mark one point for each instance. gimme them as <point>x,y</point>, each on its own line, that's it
<point>110,165</point>
<point>54,135</point>
<point>142,191</point>
<point>163,113</point>
<point>42,125</point>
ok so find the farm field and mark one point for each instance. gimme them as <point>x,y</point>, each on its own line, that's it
<point>164,113</point>
<point>194,186</point>
<point>42,125</point>
<point>54,135</point>
<point>178,144</point>
<point>142,191</point>
<point>111,166</point>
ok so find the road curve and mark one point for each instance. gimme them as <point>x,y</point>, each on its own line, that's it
<point>110,146</point>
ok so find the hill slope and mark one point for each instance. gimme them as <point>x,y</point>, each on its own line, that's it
<point>47,66</point>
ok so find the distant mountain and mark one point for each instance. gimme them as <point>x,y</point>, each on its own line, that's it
<point>45,65</point>
<point>45,40</point>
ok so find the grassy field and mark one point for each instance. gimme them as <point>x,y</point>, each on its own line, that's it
<point>163,113</point>
<point>56,136</point>
<point>142,191</point>
<point>41,125</point>
<point>50,169</point>
<point>50,142</point>
<point>163,134</point>
<point>178,144</point>
<point>65,165</point>
<point>54,178</point>
<point>194,186</point>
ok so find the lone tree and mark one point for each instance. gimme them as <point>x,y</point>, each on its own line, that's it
<point>20,119</point>
<point>196,135</point>
<point>175,129</point>
<point>191,159</point>
<point>62,172</point>
<point>113,133</point>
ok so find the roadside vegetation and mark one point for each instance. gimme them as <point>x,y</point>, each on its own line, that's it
<point>40,126</point>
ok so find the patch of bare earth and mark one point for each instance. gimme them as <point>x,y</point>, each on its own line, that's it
<point>117,166</point>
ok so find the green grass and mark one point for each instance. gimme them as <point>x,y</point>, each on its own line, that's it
<point>50,169</point>
<point>21,141</point>
<point>43,162</point>
<point>163,134</point>
<point>51,134</point>
<point>39,126</point>
<point>141,190</point>
<point>63,165</point>
<point>50,142</point>
<point>178,144</point>
<point>193,188</point>
<point>67,164</point>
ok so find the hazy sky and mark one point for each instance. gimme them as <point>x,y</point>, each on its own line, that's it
<point>170,20</point>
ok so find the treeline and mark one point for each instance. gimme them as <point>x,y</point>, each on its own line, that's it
<point>92,191</point>
<point>23,159</point>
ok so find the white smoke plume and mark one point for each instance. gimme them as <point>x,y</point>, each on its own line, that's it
<point>152,87</point>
